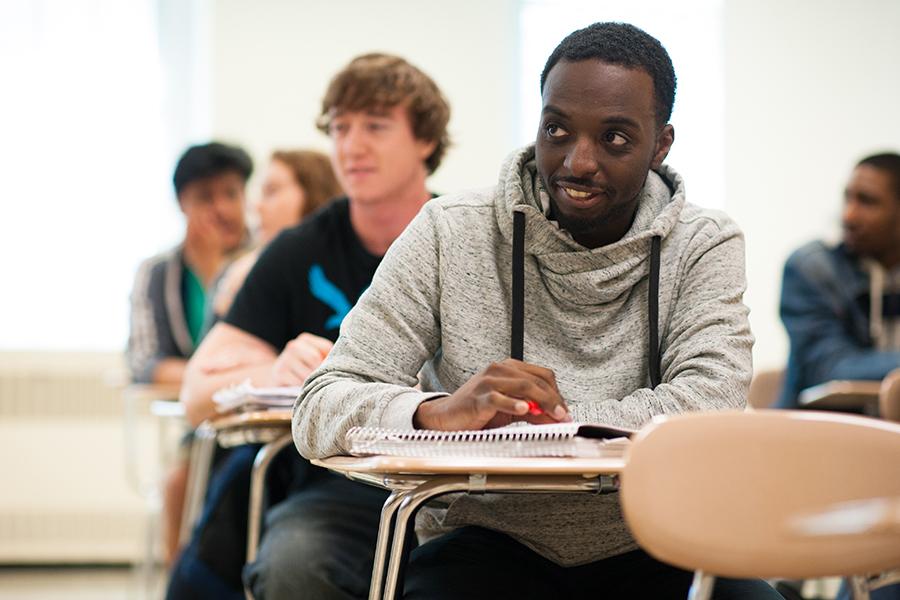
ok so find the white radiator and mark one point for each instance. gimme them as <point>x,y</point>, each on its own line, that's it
<point>64,495</point>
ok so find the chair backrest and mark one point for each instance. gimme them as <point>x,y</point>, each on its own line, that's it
<point>723,492</point>
<point>889,397</point>
<point>764,388</point>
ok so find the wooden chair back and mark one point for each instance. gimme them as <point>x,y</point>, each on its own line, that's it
<point>731,493</point>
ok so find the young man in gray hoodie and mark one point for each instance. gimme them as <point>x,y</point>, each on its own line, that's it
<point>631,308</point>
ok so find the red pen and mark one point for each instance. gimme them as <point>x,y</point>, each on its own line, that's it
<point>533,408</point>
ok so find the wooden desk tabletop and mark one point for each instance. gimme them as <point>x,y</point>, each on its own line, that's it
<point>253,419</point>
<point>587,467</point>
<point>152,392</point>
<point>841,395</point>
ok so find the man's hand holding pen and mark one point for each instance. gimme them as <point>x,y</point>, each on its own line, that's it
<point>500,394</point>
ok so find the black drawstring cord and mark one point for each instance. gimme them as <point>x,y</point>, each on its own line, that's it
<point>653,310</point>
<point>517,338</point>
<point>517,341</point>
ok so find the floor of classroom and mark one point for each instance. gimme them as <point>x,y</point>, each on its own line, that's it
<point>80,583</point>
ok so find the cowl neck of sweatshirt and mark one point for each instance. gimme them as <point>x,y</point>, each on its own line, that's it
<point>575,274</point>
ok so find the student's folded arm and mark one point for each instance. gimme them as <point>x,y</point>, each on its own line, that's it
<point>227,355</point>
<point>706,345</point>
<point>368,378</point>
<point>169,370</point>
<point>247,342</point>
<point>819,339</point>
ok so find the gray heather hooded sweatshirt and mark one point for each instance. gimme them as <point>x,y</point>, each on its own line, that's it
<point>440,303</point>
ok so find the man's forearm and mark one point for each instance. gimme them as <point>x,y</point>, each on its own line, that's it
<point>201,383</point>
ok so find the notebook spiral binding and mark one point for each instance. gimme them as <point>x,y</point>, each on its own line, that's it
<point>558,440</point>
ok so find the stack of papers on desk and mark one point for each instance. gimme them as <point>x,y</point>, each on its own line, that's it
<point>245,397</point>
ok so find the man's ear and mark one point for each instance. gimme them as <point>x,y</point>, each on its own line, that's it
<point>426,148</point>
<point>663,144</point>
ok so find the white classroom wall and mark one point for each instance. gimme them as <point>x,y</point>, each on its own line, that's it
<point>811,86</point>
<point>272,63</point>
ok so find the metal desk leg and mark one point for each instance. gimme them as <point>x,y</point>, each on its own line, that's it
<point>859,588</point>
<point>411,503</point>
<point>702,586</point>
<point>261,463</point>
<point>198,476</point>
<point>882,579</point>
<point>385,531</point>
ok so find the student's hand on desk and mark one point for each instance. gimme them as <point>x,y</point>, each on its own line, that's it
<point>299,358</point>
<point>229,359</point>
<point>494,397</point>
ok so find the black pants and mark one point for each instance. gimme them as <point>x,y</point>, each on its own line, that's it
<point>476,563</point>
<point>209,567</point>
<point>319,543</point>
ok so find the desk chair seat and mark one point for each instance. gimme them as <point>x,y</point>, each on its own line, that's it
<point>764,388</point>
<point>889,396</point>
<point>734,494</point>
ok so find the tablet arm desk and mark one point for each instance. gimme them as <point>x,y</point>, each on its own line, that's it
<point>843,395</point>
<point>415,481</point>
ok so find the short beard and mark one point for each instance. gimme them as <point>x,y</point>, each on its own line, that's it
<point>579,227</point>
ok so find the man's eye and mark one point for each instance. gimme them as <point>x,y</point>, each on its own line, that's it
<point>615,138</point>
<point>337,128</point>
<point>555,131</point>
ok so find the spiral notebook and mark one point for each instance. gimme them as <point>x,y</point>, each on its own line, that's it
<point>518,440</point>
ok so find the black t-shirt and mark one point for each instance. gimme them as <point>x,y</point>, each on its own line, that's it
<point>306,280</point>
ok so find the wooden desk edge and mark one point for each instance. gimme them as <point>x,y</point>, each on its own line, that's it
<point>257,418</point>
<point>149,392</point>
<point>385,465</point>
<point>840,392</point>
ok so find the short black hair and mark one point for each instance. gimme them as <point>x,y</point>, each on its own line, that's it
<point>207,160</point>
<point>887,161</point>
<point>624,45</point>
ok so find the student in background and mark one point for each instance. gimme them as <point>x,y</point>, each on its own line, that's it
<point>387,121</point>
<point>297,184</point>
<point>169,298</point>
<point>841,304</point>
<point>597,208</point>
<point>168,301</point>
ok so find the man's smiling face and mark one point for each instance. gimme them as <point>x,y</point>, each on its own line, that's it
<point>597,139</point>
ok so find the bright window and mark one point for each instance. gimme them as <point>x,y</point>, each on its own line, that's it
<point>87,155</point>
<point>691,31</point>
